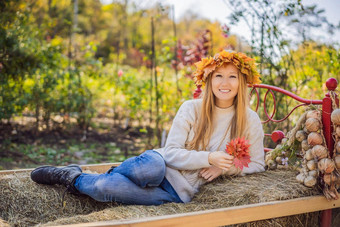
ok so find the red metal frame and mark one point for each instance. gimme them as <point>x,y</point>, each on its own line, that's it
<point>326,102</point>
<point>270,89</point>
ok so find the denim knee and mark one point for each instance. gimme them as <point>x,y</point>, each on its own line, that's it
<point>107,190</point>
<point>153,173</point>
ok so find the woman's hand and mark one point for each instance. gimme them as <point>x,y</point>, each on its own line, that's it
<point>221,160</point>
<point>210,173</point>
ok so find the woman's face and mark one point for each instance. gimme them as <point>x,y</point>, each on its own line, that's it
<point>225,82</point>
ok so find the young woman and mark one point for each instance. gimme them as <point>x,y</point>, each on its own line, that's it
<point>195,149</point>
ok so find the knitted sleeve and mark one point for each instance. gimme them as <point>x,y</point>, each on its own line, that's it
<point>175,154</point>
<point>256,136</point>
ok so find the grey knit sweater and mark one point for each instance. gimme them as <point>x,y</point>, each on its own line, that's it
<point>183,165</point>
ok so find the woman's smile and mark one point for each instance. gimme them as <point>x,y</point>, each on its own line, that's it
<point>224,90</point>
<point>225,82</point>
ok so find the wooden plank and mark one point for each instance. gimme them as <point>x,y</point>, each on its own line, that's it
<point>99,168</point>
<point>228,216</point>
<point>3,223</point>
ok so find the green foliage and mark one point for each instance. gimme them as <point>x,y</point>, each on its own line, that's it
<point>313,64</point>
<point>97,62</point>
<point>17,58</point>
<point>304,71</point>
<point>72,152</point>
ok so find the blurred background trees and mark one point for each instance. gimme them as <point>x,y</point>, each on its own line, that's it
<point>65,63</point>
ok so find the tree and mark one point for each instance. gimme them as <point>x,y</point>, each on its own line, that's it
<point>17,56</point>
<point>271,23</point>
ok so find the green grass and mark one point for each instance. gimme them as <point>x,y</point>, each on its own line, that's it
<point>30,155</point>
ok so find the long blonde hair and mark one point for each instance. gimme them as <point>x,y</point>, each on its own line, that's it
<point>203,127</point>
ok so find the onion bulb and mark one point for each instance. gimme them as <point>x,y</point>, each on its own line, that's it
<point>278,147</point>
<point>271,164</point>
<point>304,145</point>
<point>319,151</point>
<point>309,155</point>
<point>268,158</point>
<point>301,170</point>
<point>326,165</point>
<point>335,116</point>
<point>338,131</point>
<point>300,135</point>
<point>330,178</point>
<point>284,140</point>
<point>337,161</point>
<point>313,173</point>
<point>337,147</point>
<point>314,138</point>
<point>278,160</point>
<point>313,114</point>
<point>310,181</point>
<point>306,130</point>
<point>312,125</point>
<point>311,165</point>
<point>300,178</point>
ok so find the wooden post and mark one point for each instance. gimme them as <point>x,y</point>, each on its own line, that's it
<point>331,83</point>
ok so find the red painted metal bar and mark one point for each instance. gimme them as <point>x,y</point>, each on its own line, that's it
<point>258,97</point>
<point>270,89</point>
<point>267,149</point>
<point>273,120</point>
<point>265,108</point>
<point>326,218</point>
<point>331,83</point>
<point>290,94</point>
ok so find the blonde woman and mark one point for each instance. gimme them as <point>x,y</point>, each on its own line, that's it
<point>195,149</point>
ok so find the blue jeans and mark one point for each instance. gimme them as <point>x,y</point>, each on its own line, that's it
<point>138,180</point>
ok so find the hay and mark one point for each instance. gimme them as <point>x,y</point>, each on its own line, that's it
<point>225,192</point>
<point>24,203</point>
<point>3,223</point>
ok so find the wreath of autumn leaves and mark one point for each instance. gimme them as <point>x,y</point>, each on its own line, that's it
<point>245,64</point>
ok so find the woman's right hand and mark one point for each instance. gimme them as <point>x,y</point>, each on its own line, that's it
<point>221,160</point>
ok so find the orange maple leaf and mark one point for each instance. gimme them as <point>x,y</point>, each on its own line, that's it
<point>239,148</point>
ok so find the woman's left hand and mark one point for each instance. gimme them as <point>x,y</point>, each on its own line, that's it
<point>210,173</point>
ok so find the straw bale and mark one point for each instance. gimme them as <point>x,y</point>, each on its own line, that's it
<point>24,203</point>
<point>3,223</point>
<point>224,192</point>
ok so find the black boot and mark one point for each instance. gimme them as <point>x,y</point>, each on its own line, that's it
<point>111,169</point>
<point>53,175</point>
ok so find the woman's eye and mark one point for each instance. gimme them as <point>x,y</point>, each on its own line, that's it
<point>233,76</point>
<point>218,75</point>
